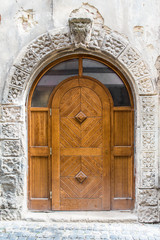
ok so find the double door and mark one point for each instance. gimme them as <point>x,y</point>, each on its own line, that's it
<point>80,150</point>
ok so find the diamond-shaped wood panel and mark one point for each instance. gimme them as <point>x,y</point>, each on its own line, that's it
<point>80,177</point>
<point>80,117</point>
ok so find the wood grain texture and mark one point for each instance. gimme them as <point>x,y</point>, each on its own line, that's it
<point>101,146</point>
<point>122,159</point>
<point>80,149</point>
<point>39,156</point>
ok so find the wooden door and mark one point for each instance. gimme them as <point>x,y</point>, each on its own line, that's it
<point>91,165</point>
<point>81,146</point>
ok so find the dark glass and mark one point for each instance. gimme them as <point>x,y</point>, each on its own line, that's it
<point>109,78</point>
<point>51,79</point>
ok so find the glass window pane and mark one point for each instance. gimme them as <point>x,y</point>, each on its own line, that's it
<point>51,79</point>
<point>109,78</point>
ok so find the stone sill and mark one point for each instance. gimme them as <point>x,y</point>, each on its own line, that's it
<point>81,216</point>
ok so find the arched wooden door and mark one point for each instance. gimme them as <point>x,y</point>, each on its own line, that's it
<point>81,138</point>
<point>81,146</point>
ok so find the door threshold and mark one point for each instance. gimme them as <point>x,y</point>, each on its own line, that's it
<point>81,216</point>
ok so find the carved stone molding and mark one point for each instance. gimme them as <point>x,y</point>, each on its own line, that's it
<point>10,130</point>
<point>11,114</point>
<point>80,29</point>
<point>11,148</point>
<point>81,33</point>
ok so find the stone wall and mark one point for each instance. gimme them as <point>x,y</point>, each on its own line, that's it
<point>98,39</point>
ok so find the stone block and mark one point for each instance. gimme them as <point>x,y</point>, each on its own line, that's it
<point>60,39</point>
<point>11,114</point>
<point>149,104</point>
<point>41,46</point>
<point>10,214</point>
<point>148,160</point>
<point>139,69</point>
<point>10,165</point>
<point>10,130</point>
<point>129,57</point>
<point>148,214</point>
<point>148,178</point>
<point>149,141</point>
<point>148,121</point>
<point>147,197</point>
<point>11,148</point>
<point>28,61</point>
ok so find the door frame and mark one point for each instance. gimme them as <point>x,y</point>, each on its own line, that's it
<point>80,56</point>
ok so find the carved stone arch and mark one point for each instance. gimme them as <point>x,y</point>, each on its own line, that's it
<point>109,44</point>
<point>84,34</point>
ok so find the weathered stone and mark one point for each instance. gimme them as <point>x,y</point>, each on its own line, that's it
<point>10,130</point>
<point>129,57</point>
<point>148,104</point>
<point>13,94</point>
<point>80,29</point>
<point>10,214</point>
<point>148,160</point>
<point>11,165</point>
<point>145,85</point>
<point>19,78</point>
<point>148,141</point>
<point>60,40</point>
<point>97,38</point>
<point>148,121</point>
<point>27,62</point>
<point>139,69</point>
<point>113,44</point>
<point>11,114</point>
<point>148,178</point>
<point>41,46</point>
<point>11,148</point>
<point>20,186</point>
<point>147,197</point>
<point>148,214</point>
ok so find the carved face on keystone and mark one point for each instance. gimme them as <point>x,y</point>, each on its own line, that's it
<point>80,29</point>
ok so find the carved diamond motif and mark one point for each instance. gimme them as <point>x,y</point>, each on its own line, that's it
<point>80,177</point>
<point>81,117</point>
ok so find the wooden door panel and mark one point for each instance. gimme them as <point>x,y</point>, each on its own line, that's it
<point>123,177</point>
<point>122,159</point>
<point>81,204</point>
<point>39,153</point>
<point>74,189</point>
<point>39,128</point>
<point>122,128</point>
<point>40,177</point>
<point>80,154</point>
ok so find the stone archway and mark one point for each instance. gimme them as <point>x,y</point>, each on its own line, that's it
<point>85,33</point>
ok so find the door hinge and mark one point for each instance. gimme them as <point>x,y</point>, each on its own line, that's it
<point>50,194</point>
<point>50,111</point>
<point>50,151</point>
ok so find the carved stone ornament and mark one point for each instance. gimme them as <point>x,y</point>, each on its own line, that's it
<point>80,29</point>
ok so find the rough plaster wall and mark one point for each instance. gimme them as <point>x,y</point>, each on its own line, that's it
<point>21,22</point>
<point>138,20</point>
